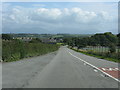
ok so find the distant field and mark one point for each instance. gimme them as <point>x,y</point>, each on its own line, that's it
<point>50,35</point>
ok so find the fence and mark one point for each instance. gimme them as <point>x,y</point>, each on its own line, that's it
<point>102,51</point>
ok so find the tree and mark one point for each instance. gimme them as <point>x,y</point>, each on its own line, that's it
<point>112,48</point>
<point>35,40</point>
<point>118,39</point>
<point>111,38</point>
<point>103,39</point>
<point>6,37</point>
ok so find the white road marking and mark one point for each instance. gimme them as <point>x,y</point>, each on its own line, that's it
<point>95,67</point>
<point>95,70</point>
<point>110,69</point>
<point>102,75</point>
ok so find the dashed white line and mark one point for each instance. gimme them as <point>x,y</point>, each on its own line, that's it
<point>95,70</point>
<point>94,67</point>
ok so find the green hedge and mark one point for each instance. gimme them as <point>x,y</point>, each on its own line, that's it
<point>15,49</point>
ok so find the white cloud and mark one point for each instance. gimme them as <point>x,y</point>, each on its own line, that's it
<point>51,13</point>
<point>105,15</point>
<point>57,20</point>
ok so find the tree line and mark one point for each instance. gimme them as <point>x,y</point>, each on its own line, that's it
<point>105,39</point>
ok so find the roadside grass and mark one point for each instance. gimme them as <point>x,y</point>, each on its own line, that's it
<point>17,50</point>
<point>60,43</point>
<point>98,56</point>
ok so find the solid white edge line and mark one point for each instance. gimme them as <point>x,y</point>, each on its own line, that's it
<point>94,67</point>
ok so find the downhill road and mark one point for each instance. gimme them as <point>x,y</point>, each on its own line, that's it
<point>62,69</point>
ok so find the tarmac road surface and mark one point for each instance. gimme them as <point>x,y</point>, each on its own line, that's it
<point>61,69</point>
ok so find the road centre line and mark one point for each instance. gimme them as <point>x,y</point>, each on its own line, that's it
<point>94,67</point>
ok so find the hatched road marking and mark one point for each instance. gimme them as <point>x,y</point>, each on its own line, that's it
<point>112,71</point>
<point>106,73</point>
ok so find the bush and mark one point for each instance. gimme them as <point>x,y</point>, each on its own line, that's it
<point>6,37</point>
<point>112,48</point>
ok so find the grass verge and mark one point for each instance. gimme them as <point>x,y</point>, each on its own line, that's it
<point>15,50</point>
<point>98,56</point>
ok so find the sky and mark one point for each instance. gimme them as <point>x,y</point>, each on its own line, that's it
<point>60,17</point>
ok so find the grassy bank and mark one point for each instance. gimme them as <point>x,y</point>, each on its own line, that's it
<point>16,50</point>
<point>97,55</point>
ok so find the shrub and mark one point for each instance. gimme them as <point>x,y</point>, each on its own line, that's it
<point>112,48</point>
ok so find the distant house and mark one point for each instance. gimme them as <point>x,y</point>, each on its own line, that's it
<point>26,39</point>
<point>49,40</point>
<point>45,40</point>
<point>52,40</point>
<point>59,40</point>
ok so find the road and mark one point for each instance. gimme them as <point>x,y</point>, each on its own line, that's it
<point>61,69</point>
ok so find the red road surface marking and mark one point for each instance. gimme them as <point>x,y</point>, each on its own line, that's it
<point>115,72</point>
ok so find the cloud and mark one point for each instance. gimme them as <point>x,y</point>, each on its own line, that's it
<point>53,13</point>
<point>56,20</point>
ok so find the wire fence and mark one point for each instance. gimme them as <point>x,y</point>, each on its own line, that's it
<point>100,49</point>
<point>103,51</point>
